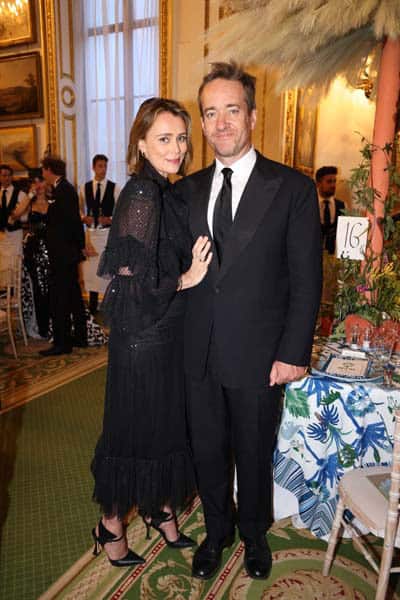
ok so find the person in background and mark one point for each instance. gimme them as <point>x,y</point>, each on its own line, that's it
<point>65,243</point>
<point>97,202</point>
<point>10,225</point>
<point>143,458</point>
<point>330,208</point>
<point>249,325</point>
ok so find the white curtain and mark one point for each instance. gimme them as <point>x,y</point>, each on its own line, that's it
<point>120,70</point>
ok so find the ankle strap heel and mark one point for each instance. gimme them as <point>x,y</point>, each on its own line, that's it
<point>107,537</point>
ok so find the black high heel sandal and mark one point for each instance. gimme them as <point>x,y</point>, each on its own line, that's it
<point>106,537</point>
<point>182,541</point>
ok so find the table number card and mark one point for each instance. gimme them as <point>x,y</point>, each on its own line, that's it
<point>351,237</point>
<point>347,367</point>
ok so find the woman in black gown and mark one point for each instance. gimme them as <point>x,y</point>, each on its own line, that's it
<point>142,457</point>
<point>36,264</point>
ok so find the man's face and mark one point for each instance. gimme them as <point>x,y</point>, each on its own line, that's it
<point>48,176</point>
<point>100,170</point>
<point>226,121</point>
<point>5,178</point>
<point>327,186</point>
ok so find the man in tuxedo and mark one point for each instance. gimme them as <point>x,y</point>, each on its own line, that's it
<point>97,202</point>
<point>10,198</point>
<point>330,208</point>
<point>250,323</point>
<point>65,242</point>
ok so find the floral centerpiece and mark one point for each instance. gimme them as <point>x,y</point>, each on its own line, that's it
<point>371,288</point>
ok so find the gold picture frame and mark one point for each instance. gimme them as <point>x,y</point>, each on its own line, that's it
<point>19,28</point>
<point>305,133</point>
<point>18,147</point>
<point>21,94</point>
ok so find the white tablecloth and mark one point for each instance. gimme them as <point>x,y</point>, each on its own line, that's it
<point>96,239</point>
<point>328,427</point>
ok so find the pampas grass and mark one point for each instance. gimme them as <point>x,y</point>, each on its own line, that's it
<point>310,41</point>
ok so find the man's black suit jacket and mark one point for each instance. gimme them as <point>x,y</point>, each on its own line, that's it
<point>65,234</point>
<point>262,303</point>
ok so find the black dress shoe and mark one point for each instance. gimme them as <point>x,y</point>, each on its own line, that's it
<point>76,343</point>
<point>207,558</point>
<point>55,351</point>
<point>257,558</point>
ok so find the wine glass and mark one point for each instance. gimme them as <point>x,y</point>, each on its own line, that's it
<point>383,348</point>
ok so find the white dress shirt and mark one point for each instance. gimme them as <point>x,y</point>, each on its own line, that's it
<point>242,169</point>
<point>103,184</point>
<point>9,193</point>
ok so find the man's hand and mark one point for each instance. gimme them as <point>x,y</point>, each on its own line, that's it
<point>105,221</point>
<point>283,373</point>
<point>87,220</point>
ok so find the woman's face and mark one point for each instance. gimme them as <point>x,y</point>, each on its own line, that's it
<point>165,143</point>
<point>38,186</point>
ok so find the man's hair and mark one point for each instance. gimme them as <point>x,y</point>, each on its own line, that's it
<point>5,167</point>
<point>322,171</point>
<point>232,72</point>
<point>55,164</point>
<point>98,157</point>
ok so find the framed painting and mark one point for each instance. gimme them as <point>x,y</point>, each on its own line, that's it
<point>17,25</point>
<point>305,131</point>
<point>18,147</point>
<point>21,94</point>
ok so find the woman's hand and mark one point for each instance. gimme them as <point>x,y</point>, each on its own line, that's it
<point>201,259</point>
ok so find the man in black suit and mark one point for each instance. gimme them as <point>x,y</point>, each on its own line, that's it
<point>250,323</point>
<point>330,208</point>
<point>65,242</point>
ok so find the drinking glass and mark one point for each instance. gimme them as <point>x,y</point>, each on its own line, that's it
<point>383,348</point>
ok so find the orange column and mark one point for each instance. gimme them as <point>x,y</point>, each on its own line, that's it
<point>384,131</point>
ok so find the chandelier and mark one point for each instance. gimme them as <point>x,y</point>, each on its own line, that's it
<point>12,8</point>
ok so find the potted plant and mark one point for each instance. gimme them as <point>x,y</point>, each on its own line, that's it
<point>369,291</point>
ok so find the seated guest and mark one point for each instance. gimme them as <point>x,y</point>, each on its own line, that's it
<point>10,227</point>
<point>330,208</point>
<point>97,202</point>
<point>65,243</point>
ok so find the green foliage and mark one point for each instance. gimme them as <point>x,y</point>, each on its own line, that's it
<point>371,287</point>
<point>296,402</point>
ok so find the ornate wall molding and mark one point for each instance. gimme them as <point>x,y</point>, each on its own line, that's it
<point>66,39</point>
<point>48,33</point>
<point>165,47</point>
<point>69,143</point>
<point>68,96</point>
<point>289,127</point>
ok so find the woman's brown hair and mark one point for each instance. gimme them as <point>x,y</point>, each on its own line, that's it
<point>147,114</point>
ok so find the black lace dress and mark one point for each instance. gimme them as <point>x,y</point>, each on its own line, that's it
<point>142,457</point>
<point>35,287</point>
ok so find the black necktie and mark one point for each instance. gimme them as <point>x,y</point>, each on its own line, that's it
<point>222,221</point>
<point>4,216</point>
<point>96,208</point>
<point>327,213</point>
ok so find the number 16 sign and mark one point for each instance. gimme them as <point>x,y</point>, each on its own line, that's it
<point>351,237</point>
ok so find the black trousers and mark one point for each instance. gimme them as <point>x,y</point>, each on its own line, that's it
<point>233,427</point>
<point>66,300</point>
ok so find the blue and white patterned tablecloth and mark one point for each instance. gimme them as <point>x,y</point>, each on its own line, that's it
<point>328,427</point>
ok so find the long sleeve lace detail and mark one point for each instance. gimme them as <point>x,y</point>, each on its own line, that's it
<point>141,257</point>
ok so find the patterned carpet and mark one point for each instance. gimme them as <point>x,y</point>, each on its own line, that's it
<point>296,573</point>
<point>32,375</point>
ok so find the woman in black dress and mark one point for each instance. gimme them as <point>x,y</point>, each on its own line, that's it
<point>142,457</point>
<point>36,263</point>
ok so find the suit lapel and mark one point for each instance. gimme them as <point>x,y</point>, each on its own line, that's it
<point>199,211</point>
<point>258,195</point>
